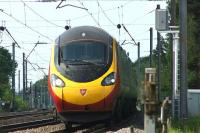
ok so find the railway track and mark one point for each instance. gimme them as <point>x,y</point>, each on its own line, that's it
<point>85,128</point>
<point>25,120</point>
<point>99,128</point>
<point>27,125</point>
<point>134,121</point>
<point>46,120</point>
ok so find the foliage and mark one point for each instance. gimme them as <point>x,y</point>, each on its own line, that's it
<point>193,47</point>
<point>41,82</point>
<point>20,104</point>
<point>165,68</point>
<point>40,89</point>
<point>191,125</point>
<point>7,65</point>
<point>193,44</point>
<point>193,53</point>
<point>127,74</point>
<point>6,68</point>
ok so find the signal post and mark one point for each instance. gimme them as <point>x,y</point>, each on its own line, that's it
<point>150,100</point>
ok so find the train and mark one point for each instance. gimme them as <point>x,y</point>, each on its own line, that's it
<point>91,77</point>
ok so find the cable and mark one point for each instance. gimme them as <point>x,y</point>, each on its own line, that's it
<point>41,16</point>
<point>32,50</point>
<point>98,11</point>
<point>31,64</point>
<point>35,47</point>
<point>24,43</point>
<point>105,14</point>
<point>89,13</point>
<point>83,16</point>
<point>41,57</point>
<point>19,1</point>
<point>126,3</point>
<point>142,16</point>
<point>7,46</point>
<point>59,5</point>
<point>26,25</point>
<point>39,68</point>
<point>129,34</point>
<point>25,13</point>
<point>110,9</point>
<point>10,36</point>
<point>45,1</point>
<point>119,16</point>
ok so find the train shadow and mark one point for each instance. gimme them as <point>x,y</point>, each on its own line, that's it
<point>133,121</point>
<point>136,121</point>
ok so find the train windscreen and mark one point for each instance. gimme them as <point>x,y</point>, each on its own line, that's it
<point>91,51</point>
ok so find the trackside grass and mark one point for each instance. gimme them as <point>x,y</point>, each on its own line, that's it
<point>191,125</point>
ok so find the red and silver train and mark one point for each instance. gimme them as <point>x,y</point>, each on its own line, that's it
<point>90,76</point>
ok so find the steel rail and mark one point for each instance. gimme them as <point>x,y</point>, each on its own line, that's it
<point>27,125</point>
<point>20,114</point>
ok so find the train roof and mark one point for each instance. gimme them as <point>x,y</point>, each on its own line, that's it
<point>84,33</point>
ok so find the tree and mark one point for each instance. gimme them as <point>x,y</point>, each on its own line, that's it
<point>193,44</point>
<point>7,65</point>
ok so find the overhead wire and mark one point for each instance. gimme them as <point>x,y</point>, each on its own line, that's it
<point>31,50</point>
<point>40,68</point>
<point>19,1</point>
<point>8,34</point>
<point>61,6</point>
<point>28,60</point>
<point>31,64</point>
<point>149,12</point>
<point>83,16</point>
<point>7,46</point>
<point>89,13</point>
<point>106,14</point>
<point>25,25</point>
<point>32,30</point>
<point>24,13</point>
<point>93,13</point>
<point>120,26</point>
<point>107,25</point>
<point>24,43</point>
<point>41,57</point>
<point>129,34</point>
<point>98,11</point>
<point>41,16</point>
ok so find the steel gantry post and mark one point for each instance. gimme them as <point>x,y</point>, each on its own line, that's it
<point>13,78</point>
<point>138,62</point>
<point>159,61</point>
<point>24,84</point>
<point>151,46</point>
<point>183,57</point>
<point>173,49</point>
<point>19,82</point>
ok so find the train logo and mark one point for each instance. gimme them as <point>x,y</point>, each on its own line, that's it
<point>83,91</point>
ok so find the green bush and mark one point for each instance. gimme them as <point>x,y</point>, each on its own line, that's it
<point>191,125</point>
<point>20,105</point>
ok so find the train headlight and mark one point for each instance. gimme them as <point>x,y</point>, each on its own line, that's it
<point>109,80</point>
<point>56,81</point>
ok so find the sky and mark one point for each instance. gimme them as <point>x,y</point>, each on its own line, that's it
<point>30,22</point>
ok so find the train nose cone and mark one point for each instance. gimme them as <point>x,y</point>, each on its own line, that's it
<point>83,91</point>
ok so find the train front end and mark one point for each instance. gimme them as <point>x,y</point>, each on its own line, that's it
<point>83,78</point>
